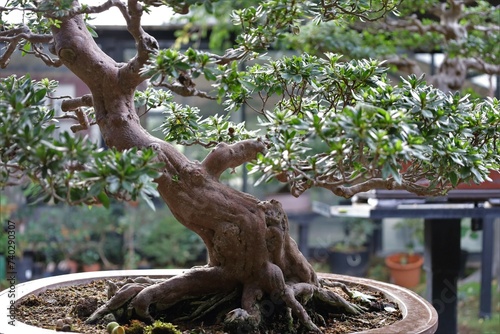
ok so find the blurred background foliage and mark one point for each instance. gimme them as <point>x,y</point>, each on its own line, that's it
<point>127,235</point>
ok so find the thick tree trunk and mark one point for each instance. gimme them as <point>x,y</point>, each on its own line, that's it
<point>451,75</point>
<point>247,239</point>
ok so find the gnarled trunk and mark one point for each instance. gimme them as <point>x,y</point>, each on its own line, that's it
<point>248,240</point>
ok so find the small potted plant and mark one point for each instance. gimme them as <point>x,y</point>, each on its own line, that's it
<point>89,260</point>
<point>351,255</point>
<point>406,267</point>
<point>469,232</point>
<point>6,208</point>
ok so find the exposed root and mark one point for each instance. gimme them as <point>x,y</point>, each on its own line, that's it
<point>205,307</point>
<point>120,298</point>
<point>292,308</point>
<point>335,284</point>
<point>336,300</point>
<point>276,286</point>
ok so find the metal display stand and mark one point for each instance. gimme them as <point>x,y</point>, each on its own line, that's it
<point>441,239</point>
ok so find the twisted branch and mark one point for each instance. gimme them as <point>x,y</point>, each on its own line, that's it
<point>145,43</point>
<point>13,37</point>
<point>80,115</point>
<point>482,66</point>
<point>186,90</point>
<point>230,156</point>
<point>73,104</point>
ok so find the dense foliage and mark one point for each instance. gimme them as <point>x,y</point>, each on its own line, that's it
<point>339,125</point>
<point>465,33</point>
<point>63,167</point>
<point>325,121</point>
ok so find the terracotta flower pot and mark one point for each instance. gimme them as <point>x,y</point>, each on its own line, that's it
<point>91,267</point>
<point>7,209</point>
<point>419,317</point>
<point>69,265</point>
<point>405,269</point>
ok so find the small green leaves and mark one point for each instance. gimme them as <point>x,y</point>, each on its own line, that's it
<point>64,167</point>
<point>92,31</point>
<point>184,125</point>
<point>343,123</point>
<point>151,98</point>
<point>170,64</point>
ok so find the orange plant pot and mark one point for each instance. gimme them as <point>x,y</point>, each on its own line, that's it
<point>406,275</point>
<point>91,267</point>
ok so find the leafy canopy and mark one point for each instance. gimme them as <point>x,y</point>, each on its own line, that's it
<point>341,125</point>
<point>62,167</point>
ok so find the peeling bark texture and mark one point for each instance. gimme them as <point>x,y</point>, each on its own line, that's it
<point>248,241</point>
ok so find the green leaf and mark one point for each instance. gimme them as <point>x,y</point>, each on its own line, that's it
<point>92,32</point>
<point>297,78</point>
<point>104,199</point>
<point>454,179</point>
<point>148,200</point>
<point>183,66</point>
<point>208,6</point>
<point>26,48</point>
<point>209,75</point>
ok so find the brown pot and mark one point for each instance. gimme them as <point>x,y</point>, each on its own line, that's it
<point>70,265</point>
<point>405,269</point>
<point>91,267</point>
<point>419,317</point>
<point>7,209</point>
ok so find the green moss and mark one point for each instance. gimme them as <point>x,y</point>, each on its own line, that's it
<point>159,327</point>
<point>135,327</point>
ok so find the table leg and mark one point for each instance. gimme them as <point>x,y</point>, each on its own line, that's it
<point>442,264</point>
<point>486,267</point>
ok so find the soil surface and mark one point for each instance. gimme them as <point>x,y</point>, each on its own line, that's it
<point>66,309</point>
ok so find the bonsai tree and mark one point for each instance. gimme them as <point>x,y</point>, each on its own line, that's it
<point>411,230</point>
<point>465,32</point>
<point>356,235</point>
<point>366,134</point>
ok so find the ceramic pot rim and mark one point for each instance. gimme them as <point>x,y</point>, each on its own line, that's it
<point>419,316</point>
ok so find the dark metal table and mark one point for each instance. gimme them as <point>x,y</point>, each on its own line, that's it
<point>442,234</point>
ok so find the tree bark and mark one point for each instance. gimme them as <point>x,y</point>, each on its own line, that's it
<point>248,240</point>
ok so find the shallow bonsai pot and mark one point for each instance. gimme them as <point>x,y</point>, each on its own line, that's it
<point>418,315</point>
